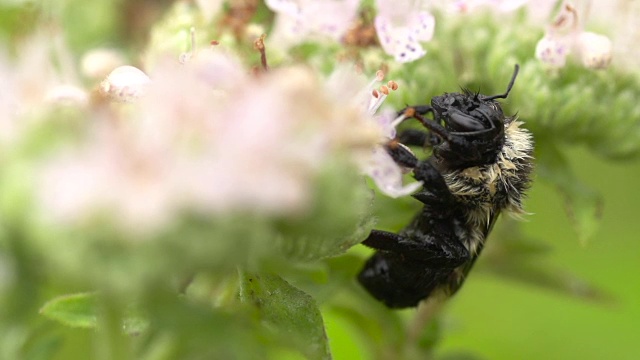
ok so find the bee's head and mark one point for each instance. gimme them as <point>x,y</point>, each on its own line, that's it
<point>467,113</point>
<point>474,124</point>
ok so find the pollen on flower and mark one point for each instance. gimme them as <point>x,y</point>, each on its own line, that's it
<point>379,95</point>
<point>378,165</point>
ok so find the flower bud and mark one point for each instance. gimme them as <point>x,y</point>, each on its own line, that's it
<point>595,50</point>
<point>125,84</point>
<point>552,51</point>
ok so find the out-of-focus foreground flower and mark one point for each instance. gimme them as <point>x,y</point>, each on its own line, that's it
<point>297,20</point>
<point>209,137</point>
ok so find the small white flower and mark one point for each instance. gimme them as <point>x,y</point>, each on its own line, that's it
<point>32,83</point>
<point>401,27</point>
<point>125,84</point>
<point>565,35</point>
<point>553,51</point>
<point>595,50</point>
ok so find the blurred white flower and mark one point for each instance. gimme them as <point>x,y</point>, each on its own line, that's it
<point>565,36</point>
<point>210,8</point>
<point>298,20</point>
<point>125,84</point>
<point>553,51</point>
<point>401,27</point>
<point>97,63</point>
<point>208,137</point>
<point>595,50</point>
<point>32,83</point>
<point>67,95</point>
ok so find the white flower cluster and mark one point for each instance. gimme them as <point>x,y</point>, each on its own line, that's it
<point>401,25</point>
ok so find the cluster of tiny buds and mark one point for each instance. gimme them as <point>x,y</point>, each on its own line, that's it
<point>565,36</point>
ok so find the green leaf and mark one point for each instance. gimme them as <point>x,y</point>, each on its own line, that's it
<point>75,310</point>
<point>583,205</point>
<point>291,313</point>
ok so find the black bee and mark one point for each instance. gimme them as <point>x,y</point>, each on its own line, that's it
<point>481,165</point>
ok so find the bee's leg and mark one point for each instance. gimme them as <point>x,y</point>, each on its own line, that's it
<point>439,247</point>
<point>415,137</point>
<point>420,109</point>
<point>435,192</point>
<point>440,243</point>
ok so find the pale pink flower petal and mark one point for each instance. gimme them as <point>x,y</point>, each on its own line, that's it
<point>387,175</point>
<point>401,27</point>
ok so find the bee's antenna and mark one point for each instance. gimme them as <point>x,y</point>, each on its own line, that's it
<point>506,93</point>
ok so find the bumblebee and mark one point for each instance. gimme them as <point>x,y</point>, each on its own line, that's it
<point>480,166</point>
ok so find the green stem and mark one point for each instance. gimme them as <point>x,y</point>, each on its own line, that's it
<point>110,341</point>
